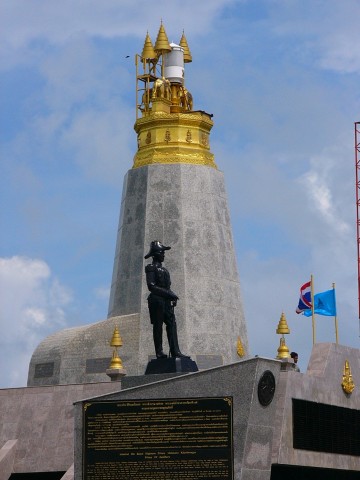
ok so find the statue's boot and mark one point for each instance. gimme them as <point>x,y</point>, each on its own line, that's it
<point>171,331</point>
<point>158,342</point>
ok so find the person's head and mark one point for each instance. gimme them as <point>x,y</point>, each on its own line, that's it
<point>294,356</point>
<point>159,256</point>
<point>157,251</point>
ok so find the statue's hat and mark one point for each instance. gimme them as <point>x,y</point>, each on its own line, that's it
<point>156,247</point>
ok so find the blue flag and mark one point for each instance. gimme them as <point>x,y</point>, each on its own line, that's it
<point>324,304</point>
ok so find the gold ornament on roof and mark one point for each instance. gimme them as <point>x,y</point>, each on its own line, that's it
<point>185,46</point>
<point>283,350</point>
<point>347,383</point>
<point>240,348</point>
<point>162,42</point>
<point>116,361</point>
<point>116,342</point>
<point>283,329</point>
<point>148,52</point>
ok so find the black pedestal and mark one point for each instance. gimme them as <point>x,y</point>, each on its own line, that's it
<point>171,365</point>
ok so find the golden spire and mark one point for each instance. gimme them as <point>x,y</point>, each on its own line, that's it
<point>116,360</point>
<point>282,326</point>
<point>347,383</point>
<point>116,342</point>
<point>240,348</point>
<point>283,329</point>
<point>148,52</point>
<point>185,46</point>
<point>162,42</point>
<point>283,350</point>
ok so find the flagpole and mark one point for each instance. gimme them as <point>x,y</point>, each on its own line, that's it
<point>335,318</point>
<point>312,307</point>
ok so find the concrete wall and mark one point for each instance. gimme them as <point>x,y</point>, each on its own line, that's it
<point>321,383</point>
<point>41,419</point>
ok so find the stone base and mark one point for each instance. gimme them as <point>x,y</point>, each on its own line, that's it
<point>116,374</point>
<point>171,365</point>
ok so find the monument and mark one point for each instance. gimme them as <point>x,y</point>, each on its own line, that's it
<point>247,418</point>
<point>174,193</point>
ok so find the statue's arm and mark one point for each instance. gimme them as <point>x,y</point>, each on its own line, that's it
<point>154,288</point>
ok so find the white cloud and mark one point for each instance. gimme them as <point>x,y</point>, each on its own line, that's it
<point>24,23</point>
<point>320,195</point>
<point>32,305</point>
<point>330,31</point>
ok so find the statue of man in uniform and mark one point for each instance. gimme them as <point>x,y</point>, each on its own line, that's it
<point>161,301</point>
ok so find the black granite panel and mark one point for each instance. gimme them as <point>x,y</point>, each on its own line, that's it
<point>295,472</point>
<point>325,428</point>
<point>43,370</point>
<point>97,365</point>
<point>168,439</point>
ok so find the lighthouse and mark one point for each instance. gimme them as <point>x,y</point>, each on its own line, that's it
<point>176,194</point>
<point>173,193</point>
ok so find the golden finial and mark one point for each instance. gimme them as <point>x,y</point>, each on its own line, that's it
<point>148,52</point>
<point>283,350</point>
<point>116,340</point>
<point>185,46</point>
<point>347,383</point>
<point>282,326</point>
<point>283,329</point>
<point>162,41</point>
<point>116,360</point>
<point>240,348</point>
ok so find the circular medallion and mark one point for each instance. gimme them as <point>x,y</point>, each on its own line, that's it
<point>266,388</point>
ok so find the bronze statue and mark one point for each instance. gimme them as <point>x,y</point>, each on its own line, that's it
<point>161,301</point>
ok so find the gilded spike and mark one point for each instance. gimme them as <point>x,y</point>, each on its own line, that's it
<point>162,42</point>
<point>282,329</point>
<point>347,383</point>
<point>116,340</point>
<point>283,326</point>
<point>283,350</point>
<point>185,46</point>
<point>240,348</point>
<point>148,52</point>
<point>116,360</point>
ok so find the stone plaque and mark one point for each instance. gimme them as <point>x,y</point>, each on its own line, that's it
<point>97,365</point>
<point>43,370</point>
<point>171,439</point>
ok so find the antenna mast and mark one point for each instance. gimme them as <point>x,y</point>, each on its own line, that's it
<point>357,170</point>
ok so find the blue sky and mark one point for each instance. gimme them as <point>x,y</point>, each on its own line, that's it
<point>282,80</point>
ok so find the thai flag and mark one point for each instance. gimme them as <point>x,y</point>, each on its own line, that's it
<point>305,298</point>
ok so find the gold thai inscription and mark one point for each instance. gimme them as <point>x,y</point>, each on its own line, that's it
<point>150,439</point>
<point>204,139</point>
<point>167,137</point>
